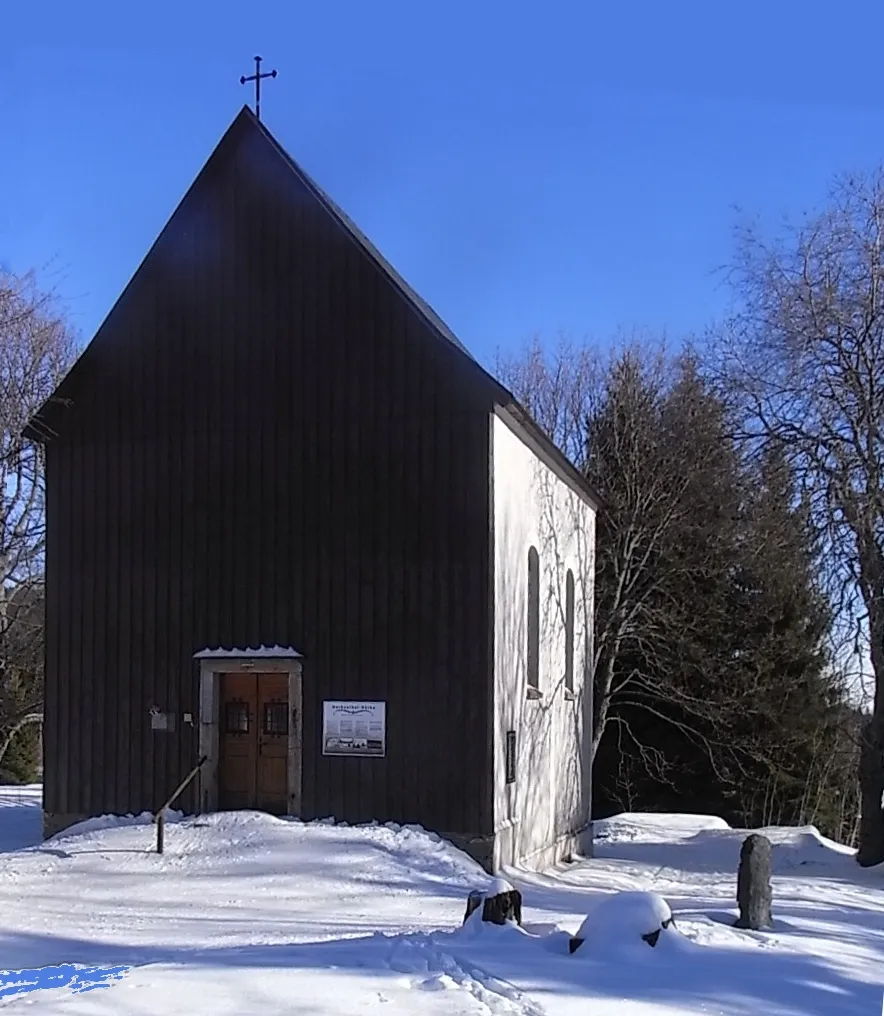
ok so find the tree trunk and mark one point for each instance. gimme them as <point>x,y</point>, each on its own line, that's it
<point>871,758</point>
<point>602,702</point>
<point>871,781</point>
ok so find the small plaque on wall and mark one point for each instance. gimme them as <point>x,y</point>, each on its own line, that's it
<point>161,721</point>
<point>356,729</point>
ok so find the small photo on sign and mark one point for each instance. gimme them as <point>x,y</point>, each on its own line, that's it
<point>354,728</point>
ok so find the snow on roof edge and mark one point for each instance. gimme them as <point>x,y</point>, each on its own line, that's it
<point>276,652</point>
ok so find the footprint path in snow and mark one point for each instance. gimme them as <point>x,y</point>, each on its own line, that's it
<point>431,969</point>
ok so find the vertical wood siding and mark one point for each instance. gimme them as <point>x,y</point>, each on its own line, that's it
<point>267,444</point>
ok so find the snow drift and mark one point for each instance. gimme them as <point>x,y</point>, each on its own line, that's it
<point>250,914</point>
<point>625,923</point>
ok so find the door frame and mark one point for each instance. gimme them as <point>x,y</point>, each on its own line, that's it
<point>215,662</point>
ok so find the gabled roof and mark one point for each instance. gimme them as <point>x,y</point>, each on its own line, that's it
<point>522,421</point>
<point>350,226</point>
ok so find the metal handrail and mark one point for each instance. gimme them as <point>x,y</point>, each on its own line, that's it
<point>160,817</point>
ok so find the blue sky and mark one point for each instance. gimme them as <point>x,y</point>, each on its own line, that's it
<point>529,169</point>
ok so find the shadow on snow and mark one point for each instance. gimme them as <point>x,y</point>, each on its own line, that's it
<point>742,982</point>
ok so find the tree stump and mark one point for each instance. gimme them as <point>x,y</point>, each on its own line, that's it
<point>503,907</point>
<point>500,904</point>
<point>473,901</point>
<point>754,892</point>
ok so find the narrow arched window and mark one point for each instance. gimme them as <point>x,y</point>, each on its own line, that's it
<point>533,653</point>
<point>569,631</point>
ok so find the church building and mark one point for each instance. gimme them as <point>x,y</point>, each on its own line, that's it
<point>293,526</point>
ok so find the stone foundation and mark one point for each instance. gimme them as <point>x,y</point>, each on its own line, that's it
<point>577,843</point>
<point>496,851</point>
<point>56,822</point>
<point>480,848</point>
<point>574,844</point>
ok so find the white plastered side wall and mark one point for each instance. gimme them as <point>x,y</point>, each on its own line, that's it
<point>544,814</point>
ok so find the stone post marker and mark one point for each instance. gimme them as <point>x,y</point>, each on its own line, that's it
<point>754,893</point>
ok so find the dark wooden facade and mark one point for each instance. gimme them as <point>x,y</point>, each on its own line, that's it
<point>267,443</point>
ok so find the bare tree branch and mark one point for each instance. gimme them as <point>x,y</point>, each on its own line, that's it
<point>36,349</point>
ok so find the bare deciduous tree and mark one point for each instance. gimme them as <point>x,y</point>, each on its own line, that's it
<point>804,357</point>
<point>709,666</point>
<point>36,349</point>
<point>560,388</point>
<point>611,417</point>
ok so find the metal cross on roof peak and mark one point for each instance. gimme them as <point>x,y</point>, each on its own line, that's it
<point>256,77</point>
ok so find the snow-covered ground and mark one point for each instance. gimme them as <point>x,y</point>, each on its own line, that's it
<point>21,820</point>
<point>248,914</point>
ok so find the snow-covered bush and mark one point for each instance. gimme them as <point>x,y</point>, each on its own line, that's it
<point>625,921</point>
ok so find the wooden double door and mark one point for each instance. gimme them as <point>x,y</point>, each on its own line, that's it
<point>254,742</point>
